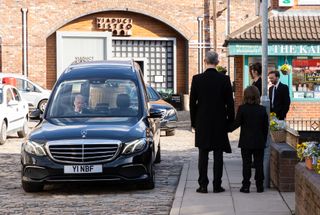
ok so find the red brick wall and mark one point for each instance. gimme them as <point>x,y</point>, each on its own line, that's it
<point>307,110</point>
<point>307,191</point>
<point>51,62</point>
<point>283,159</point>
<point>45,17</point>
<point>241,12</point>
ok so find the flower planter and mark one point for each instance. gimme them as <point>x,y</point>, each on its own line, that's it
<point>308,162</point>
<point>284,72</point>
<point>278,136</point>
<point>285,69</point>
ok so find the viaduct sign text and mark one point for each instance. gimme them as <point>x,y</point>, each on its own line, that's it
<point>118,26</point>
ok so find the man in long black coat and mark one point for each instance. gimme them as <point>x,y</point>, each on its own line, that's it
<point>279,96</point>
<point>211,111</point>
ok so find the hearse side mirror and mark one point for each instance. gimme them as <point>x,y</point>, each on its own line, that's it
<point>155,113</point>
<point>36,114</point>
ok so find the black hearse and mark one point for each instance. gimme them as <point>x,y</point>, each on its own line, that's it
<point>98,126</point>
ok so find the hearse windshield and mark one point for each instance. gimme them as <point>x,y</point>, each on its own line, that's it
<point>95,98</point>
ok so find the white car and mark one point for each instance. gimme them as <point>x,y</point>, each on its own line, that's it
<point>36,96</point>
<point>13,113</point>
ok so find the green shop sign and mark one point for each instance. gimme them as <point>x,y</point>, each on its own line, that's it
<point>286,3</point>
<point>274,49</point>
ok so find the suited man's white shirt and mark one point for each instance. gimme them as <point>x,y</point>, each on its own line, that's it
<point>275,87</point>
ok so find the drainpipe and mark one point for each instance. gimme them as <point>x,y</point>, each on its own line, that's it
<point>228,30</point>
<point>214,19</point>
<point>200,44</point>
<point>24,33</point>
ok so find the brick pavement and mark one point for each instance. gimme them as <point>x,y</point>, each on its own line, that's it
<point>99,198</point>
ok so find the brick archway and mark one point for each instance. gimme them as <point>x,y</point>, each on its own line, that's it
<point>144,28</point>
<point>150,11</point>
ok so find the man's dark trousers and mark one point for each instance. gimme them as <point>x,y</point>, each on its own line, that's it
<point>203,167</point>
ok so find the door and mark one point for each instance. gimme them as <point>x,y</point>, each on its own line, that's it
<point>21,114</point>
<point>11,110</point>
<point>77,47</point>
<point>272,65</point>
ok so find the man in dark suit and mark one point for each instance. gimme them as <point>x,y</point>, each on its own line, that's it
<point>211,111</point>
<point>279,96</point>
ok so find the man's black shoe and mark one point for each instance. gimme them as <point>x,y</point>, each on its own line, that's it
<point>244,190</point>
<point>260,189</point>
<point>218,189</point>
<point>202,190</point>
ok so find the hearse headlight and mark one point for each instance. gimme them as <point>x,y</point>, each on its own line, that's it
<point>170,113</point>
<point>34,148</point>
<point>134,146</point>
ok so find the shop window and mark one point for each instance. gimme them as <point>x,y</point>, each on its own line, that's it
<point>306,79</point>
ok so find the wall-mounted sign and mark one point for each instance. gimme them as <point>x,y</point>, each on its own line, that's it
<point>308,2</point>
<point>313,76</point>
<point>118,26</point>
<point>286,3</point>
<point>80,59</point>
<point>275,49</point>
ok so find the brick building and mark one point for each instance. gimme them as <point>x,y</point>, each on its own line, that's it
<point>162,36</point>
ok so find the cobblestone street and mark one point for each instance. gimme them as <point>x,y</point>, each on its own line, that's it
<point>98,198</point>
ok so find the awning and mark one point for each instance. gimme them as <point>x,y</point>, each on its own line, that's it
<point>287,35</point>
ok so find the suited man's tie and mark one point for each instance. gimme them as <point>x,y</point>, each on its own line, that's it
<point>273,95</point>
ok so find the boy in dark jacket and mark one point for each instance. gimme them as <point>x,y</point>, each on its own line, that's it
<point>254,123</point>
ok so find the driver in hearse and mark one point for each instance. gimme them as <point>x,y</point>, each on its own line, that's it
<point>79,104</point>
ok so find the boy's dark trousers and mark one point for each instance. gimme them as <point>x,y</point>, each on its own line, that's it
<point>246,166</point>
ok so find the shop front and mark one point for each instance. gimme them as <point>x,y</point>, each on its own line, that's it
<point>303,77</point>
<point>293,41</point>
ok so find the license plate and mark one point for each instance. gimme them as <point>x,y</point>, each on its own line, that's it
<point>81,169</point>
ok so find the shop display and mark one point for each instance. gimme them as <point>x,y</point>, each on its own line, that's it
<point>306,78</point>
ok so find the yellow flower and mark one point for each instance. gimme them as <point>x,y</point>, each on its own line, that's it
<point>285,67</point>
<point>317,169</point>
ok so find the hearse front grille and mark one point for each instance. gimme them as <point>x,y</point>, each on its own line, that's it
<point>83,151</point>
